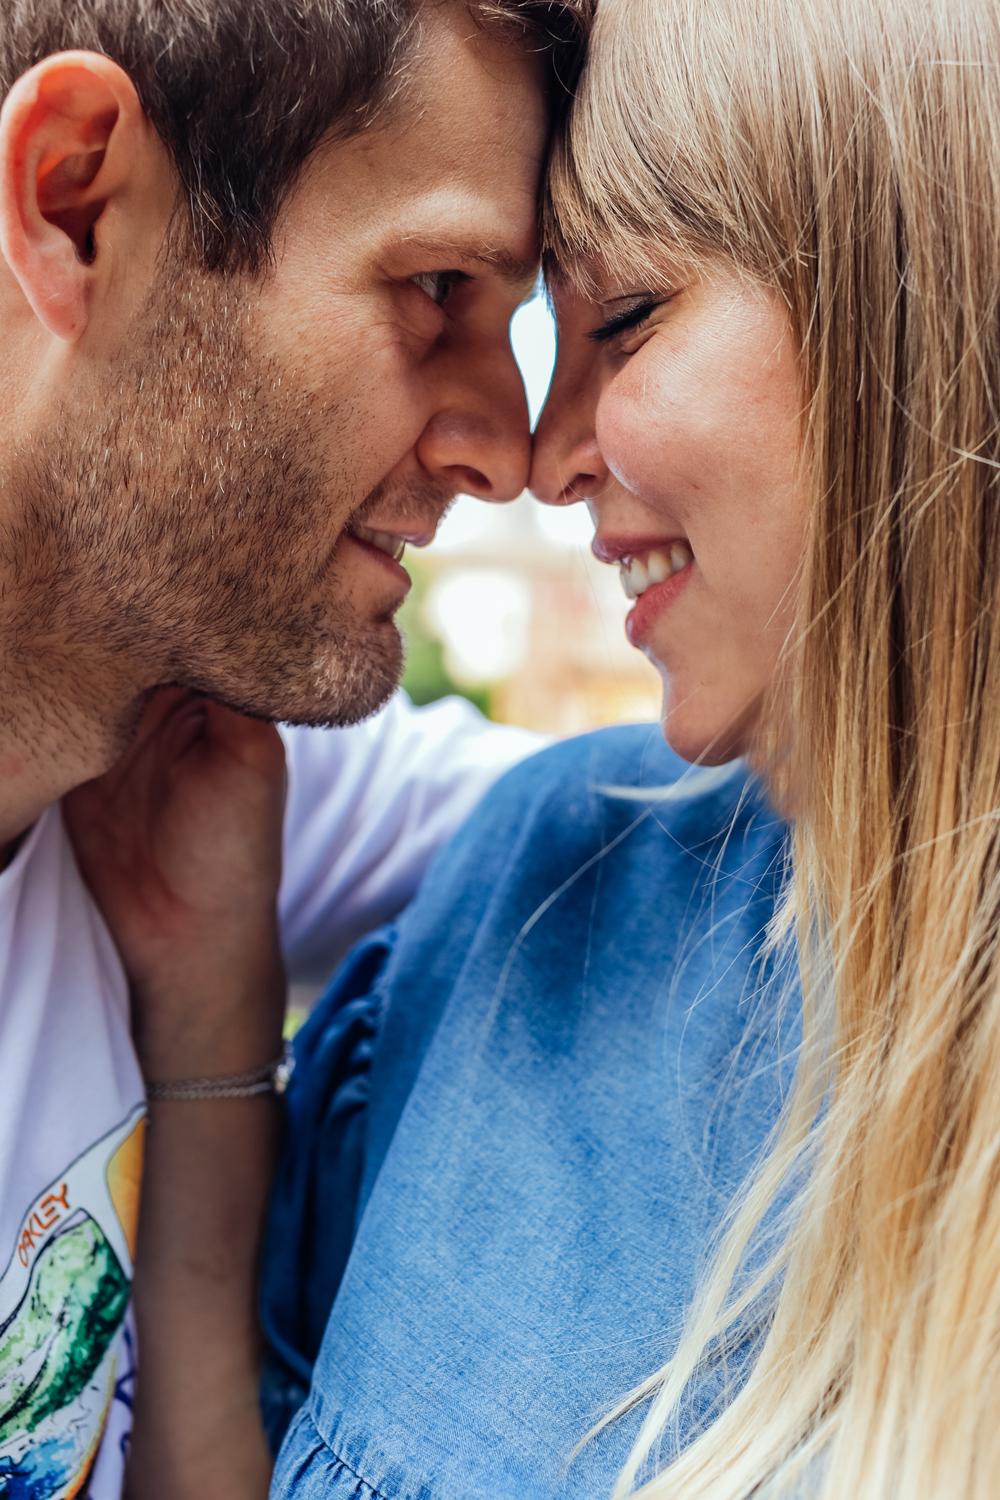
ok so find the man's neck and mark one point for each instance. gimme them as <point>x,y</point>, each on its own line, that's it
<point>49,744</point>
<point>8,851</point>
<point>68,702</point>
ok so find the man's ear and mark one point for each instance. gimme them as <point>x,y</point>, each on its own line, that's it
<point>72,137</point>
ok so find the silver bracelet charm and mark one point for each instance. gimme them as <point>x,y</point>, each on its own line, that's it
<point>273,1078</point>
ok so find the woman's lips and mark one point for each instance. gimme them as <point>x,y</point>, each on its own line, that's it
<point>654,571</point>
<point>647,610</point>
<point>612,549</point>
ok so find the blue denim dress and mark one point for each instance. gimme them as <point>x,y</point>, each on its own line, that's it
<point>514,1126</point>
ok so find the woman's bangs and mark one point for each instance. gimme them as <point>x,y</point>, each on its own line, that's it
<point>637,181</point>
<point>592,226</point>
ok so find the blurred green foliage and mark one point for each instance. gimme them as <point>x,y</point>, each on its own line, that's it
<point>427,677</point>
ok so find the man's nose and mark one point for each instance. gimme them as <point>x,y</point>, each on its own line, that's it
<point>566,462</point>
<point>478,440</point>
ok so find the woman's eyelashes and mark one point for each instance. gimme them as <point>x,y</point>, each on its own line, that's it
<point>439,285</point>
<point>626,321</point>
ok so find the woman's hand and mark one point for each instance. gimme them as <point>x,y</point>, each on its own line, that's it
<point>181,846</point>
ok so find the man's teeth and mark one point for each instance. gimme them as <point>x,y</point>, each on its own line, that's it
<point>640,573</point>
<point>383,540</point>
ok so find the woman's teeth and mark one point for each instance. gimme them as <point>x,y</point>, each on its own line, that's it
<point>640,573</point>
<point>383,540</point>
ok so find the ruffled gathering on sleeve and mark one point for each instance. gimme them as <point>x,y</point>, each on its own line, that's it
<point>310,1470</point>
<point>314,1204</point>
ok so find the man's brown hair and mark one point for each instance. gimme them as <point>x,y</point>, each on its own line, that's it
<point>242,91</point>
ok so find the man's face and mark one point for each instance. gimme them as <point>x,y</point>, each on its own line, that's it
<point>214,504</point>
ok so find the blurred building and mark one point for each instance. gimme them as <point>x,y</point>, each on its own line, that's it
<point>526,621</point>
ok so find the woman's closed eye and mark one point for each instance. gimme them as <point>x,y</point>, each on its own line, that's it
<point>628,320</point>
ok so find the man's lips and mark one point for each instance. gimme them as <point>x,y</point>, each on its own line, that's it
<point>392,539</point>
<point>386,561</point>
<point>385,543</point>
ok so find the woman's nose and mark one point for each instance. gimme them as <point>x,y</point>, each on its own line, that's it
<point>565,469</point>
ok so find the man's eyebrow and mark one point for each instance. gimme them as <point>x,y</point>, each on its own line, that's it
<point>508,266</point>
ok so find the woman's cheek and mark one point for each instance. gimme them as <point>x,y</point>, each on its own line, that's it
<point>629,435</point>
<point>652,417</point>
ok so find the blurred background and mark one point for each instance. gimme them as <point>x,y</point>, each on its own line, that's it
<point>510,608</point>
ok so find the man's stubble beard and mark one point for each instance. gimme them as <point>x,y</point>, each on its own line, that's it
<point>176,527</point>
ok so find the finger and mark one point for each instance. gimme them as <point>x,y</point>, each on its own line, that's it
<point>162,705</point>
<point>181,731</point>
<point>129,782</point>
<point>253,741</point>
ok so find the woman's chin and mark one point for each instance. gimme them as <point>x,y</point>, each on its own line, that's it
<point>703,733</point>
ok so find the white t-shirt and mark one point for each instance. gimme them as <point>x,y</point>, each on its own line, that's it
<point>367,808</point>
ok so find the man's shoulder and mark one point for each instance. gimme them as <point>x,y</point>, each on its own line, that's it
<point>403,740</point>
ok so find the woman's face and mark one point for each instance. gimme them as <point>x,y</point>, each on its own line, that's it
<point>677,418</point>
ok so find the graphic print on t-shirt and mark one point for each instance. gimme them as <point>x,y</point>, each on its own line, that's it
<point>63,1299</point>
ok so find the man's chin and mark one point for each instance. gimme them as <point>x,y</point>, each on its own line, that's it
<point>347,685</point>
<point>345,682</point>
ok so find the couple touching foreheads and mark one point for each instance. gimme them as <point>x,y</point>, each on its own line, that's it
<point>651,1149</point>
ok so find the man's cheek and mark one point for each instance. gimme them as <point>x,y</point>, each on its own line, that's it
<point>395,415</point>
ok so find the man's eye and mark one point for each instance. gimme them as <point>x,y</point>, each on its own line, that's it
<point>439,285</point>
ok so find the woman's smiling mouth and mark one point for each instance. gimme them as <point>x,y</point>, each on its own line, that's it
<point>647,569</point>
<point>652,570</point>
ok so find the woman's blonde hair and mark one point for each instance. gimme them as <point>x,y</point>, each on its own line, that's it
<point>846,153</point>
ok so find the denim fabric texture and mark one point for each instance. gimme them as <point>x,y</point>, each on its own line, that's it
<point>515,1124</point>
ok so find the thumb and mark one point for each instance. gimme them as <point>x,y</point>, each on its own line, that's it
<point>254,742</point>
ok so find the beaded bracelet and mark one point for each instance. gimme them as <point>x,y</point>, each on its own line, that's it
<point>273,1078</point>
